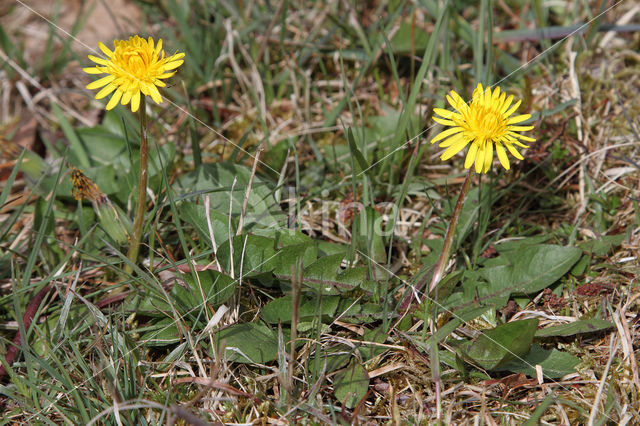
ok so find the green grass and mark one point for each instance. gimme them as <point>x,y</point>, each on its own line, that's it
<point>295,315</point>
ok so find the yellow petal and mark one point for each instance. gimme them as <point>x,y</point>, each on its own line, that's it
<point>446,134</point>
<point>519,128</point>
<point>471,155</point>
<point>524,138</point>
<point>155,94</point>
<point>487,96</point>
<point>106,90</point>
<point>101,82</point>
<point>512,109</point>
<point>444,122</point>
<point>518,119</point>
<point>513,137</point>
<point>135,101</point>
<point>454,140</point>
<point>105,49</point>
<point>495,95</point>
<point>488,156</point>
<point>502,156</point>
<point>175,57</point>
<point>455,100</point>
<point>514,152</point>
<point>165,75</point>
<point>144,88</point>
<point>126,98</point>
<point>172,65</point>
<point>114,100</point>
<point>458,146</point>
<point>444,113</point>
<point>480,159</point>
<point>123,81</point>
<point>478,92</point>
<point>520,144</point>
<point>501,100</point>
<point>94,70</point>
<point>158,48</point>
<point>98,60</point>
<point>506,104</point>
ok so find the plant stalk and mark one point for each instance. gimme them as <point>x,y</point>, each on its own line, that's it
<point>141,203</point>
<point>451,231</point>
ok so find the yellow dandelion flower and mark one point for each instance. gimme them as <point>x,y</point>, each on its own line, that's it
<point>485,122</point>
<point>135,66</point>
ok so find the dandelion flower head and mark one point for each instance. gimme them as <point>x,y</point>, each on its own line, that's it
<point>134,66</point>
<point>485,122</point>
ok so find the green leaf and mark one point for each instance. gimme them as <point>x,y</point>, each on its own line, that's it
<point>330,360</point>
<point>258,253</point>
<point>368,233</point>
<point>519,244</point>
<point>581,266</point>
<point>196,215</point>
<point>106,147</point>
<point>248,343</point>
<point>368,350</point>
<point>279,310</point>
<point>555,364</point>
<point>576,327</point>
<point>187,297</point>
<point>164,332</point>
<point>603,245</point>
<point>494,348</point>
<point>217,179</point>
<point>261,254</point>
<point>409,39</point>
<point>351,384</point>
<point>41,217</point>
<point>457,320</point>
<point>356,152</point>
<point>214,286</point>
<point>468,214</point>
<point>526,271</point>
<point>326,275</point>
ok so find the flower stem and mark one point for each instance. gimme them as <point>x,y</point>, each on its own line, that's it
<point>141,203</point>
<point>451,231</point>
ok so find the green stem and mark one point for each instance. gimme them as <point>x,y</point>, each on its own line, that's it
<point>451,231</point>
<point>141,203</point>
